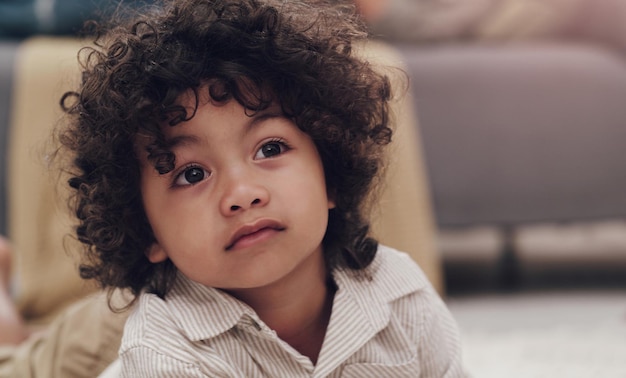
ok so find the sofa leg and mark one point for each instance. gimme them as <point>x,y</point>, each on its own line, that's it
<point>509,275</point>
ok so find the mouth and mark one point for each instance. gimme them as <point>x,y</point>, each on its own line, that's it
<point>253,233</point>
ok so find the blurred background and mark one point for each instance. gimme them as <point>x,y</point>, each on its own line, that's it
<point>522,118</point>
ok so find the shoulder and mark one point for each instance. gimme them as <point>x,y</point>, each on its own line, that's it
<point>189,314</point>
<point>395,274</point>
<point>421,314</point>
<point>157,343</point>
<point>150,325</point>
<point>402,283</point>
<point>164,326</point>
<point>150,340</point>
<point>391,282</point>
<point>407,312</point>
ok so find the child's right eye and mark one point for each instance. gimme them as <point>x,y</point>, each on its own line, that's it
<point>190,176</point>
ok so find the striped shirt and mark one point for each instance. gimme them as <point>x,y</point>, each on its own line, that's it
<point>394,325</point>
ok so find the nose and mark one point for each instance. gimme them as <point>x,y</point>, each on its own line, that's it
<point>243,193</point>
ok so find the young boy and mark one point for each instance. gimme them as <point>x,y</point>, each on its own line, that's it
<point>224,154</point>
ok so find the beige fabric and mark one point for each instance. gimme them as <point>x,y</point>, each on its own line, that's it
<point>80,343</point>
<point>403,218</point>
<point>46,277</point>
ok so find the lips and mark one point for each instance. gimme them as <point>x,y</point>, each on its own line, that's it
<point>255,230</point>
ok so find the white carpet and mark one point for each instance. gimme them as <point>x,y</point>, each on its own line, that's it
<point>570,334</point>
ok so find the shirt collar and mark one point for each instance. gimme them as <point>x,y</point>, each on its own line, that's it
<point>204,312</point>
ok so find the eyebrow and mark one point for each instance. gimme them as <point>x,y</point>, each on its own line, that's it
<point>255,120</point>
<point>181,140</point>
<point>263,116</point>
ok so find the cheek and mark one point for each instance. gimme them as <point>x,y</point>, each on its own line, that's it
<point>148,184</point>
<point>313,198</point>
<point>156,204</point>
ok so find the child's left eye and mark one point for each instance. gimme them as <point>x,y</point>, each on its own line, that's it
<point>271,149</point>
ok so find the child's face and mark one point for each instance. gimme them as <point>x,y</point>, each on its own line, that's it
<point>246,204</point>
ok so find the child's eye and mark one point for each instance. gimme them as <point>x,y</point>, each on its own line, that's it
<point>191,175</point>
<point>271,149</point>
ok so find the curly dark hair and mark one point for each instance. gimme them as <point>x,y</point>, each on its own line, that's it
<point>257,52</point>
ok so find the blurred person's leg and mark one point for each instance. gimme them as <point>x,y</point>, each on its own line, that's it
<point>427,21</point>
<point>511,20</point>
<point>423,21</point>
<point>601,22</point>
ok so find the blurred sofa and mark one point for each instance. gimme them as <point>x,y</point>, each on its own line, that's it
<point>525,145</point>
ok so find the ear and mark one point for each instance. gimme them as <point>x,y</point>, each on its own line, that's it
<point>156,253</point>
<point>331,204</point>
<point>330,195</point>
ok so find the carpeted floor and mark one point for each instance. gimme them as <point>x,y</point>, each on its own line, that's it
<point>543,334</point>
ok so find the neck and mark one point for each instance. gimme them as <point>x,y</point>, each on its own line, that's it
<point>297,309</point>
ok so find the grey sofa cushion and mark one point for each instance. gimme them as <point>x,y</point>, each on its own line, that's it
<point>522,133</point>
